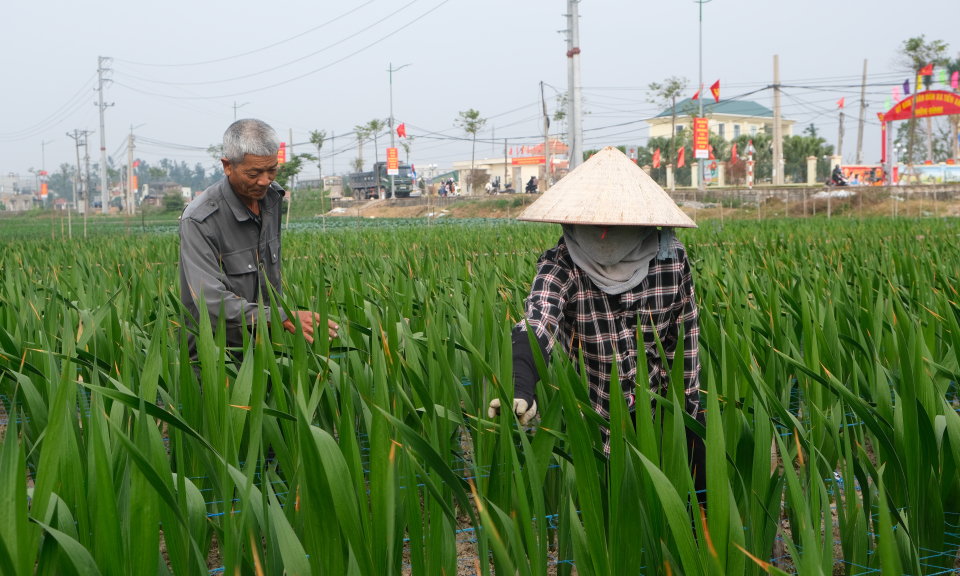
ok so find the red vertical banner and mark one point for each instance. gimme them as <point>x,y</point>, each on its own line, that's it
<point>43,190</point>
<point>701,138</point>
<point>393,162</point>
<point>282,153</point>
<point>135,185</point>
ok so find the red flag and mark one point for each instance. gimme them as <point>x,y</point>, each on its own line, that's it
<point>710,148</point>
<point>697,95</point>
<point>715,89</point>
<point>733,154</point>
<point>511,150</point>
<point>927,70</point>
<point>656,158</point>
<point>136,163</point>
<point>840,103</point>
<point>402,130</point>
<point>680,160</point>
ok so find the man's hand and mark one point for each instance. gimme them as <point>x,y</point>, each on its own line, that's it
<point>309,321</point>
<point>524,411</point>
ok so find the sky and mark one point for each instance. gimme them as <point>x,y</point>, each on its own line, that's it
<point>179,67</point>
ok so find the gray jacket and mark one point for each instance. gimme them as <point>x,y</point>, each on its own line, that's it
<point>227,255</point>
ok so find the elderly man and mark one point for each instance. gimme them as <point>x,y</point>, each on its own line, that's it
<point>617,270</point>
<point>230,239</point>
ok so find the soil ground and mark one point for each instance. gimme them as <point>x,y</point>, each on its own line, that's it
<point>866,204</point>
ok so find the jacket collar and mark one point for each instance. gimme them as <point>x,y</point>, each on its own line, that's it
<point>274,193</point>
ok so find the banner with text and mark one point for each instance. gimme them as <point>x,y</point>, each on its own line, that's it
<point>282,153</point>
<point>528,160</point>
<point>701,138</point>
<point>393,162</point>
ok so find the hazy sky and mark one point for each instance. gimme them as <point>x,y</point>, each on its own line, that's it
<point>488,55</point>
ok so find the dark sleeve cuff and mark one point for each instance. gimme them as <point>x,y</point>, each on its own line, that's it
<point>525,375</point>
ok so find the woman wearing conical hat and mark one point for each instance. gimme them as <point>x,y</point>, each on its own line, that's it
<point>617,265</point>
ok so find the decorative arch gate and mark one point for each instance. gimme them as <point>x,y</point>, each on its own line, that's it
<point>929,104</point>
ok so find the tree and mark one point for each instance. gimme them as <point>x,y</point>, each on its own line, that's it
<point>292,167</point>
<point>560,115</point>
<point>374,128</point>
<point>173,202</point>
<point>362,134</point>
<point>666,94</point>
<point>156,173</point>
<point>913,55</point>
<point>471,123</point>
<point>796,150</point>
<point>406,147</point>
<point>215,151</point>
<point>316,138</point>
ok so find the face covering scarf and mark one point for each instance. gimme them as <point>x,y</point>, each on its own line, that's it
<point>617,258</point>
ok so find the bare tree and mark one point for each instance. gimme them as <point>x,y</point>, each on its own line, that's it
<point>362,134</point>
<point>666,94</point>
<point>374,128</point>
<point>471,123</point>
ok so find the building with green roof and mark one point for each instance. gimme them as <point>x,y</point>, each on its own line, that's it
<point>728,118</point>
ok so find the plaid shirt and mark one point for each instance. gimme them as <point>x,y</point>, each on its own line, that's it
<point>564,304</point>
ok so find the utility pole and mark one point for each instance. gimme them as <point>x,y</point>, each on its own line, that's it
<point>104,188</point>
<point>393,144</point>
<point>571,144</point>
<point>505,161</point>
<point>128,199</point>
<point>700,185</point>
<point>235,109</point>
<point>863,108</point>
<point>86,187</point>
<point>574,55</point>
<point>76,139</point>
<point>290,201</point>
<point>840,135</point>
<point>777,128</point>
<point>546,144</point>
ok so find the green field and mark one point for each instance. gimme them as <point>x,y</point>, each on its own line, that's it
<point>836,341</point>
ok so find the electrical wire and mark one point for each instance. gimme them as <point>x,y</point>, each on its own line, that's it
<point>335,62</point>
<point>277,67</point>
<point>314,29</point>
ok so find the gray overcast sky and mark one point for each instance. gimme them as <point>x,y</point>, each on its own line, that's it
<point>487,55</point>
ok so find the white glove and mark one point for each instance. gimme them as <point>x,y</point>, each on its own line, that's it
<point>524,413</point>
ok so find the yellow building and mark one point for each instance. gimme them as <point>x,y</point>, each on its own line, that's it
<point>728,118</point>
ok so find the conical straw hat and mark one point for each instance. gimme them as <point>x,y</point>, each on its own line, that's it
<point>608,190</point>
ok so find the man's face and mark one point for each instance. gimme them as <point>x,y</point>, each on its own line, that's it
<point>251,178</point>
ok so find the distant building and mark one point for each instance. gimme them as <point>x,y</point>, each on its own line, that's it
<point>517,169</point>
<point>728,118</point>
<point>13,202</point>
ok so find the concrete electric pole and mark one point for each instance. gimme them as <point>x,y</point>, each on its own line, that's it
<point>393,144</point>
<point>104,187</point>
<point>863,109</point>
<point>571,144</point>
<point>545,185</point>
<point>576,121</point>
<point>777,128</point>
<point>700,185</point>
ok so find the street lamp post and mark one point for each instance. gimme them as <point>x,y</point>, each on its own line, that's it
<point>700,173</point>
<point>393,143</point>
<point>235,106</point>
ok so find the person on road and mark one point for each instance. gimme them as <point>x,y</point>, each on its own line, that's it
<point>617,271</point>
<point>230,240</point>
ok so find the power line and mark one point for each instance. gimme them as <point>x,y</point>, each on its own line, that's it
<point>314,29</point>
<point>335,62</point>
<point>277,67</point>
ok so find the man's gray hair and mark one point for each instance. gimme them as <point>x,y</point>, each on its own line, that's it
<point>249,136</point>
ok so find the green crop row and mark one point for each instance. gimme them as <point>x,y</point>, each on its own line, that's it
<point>835,343</point>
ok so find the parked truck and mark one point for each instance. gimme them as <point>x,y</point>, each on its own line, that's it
<point>376,183</point>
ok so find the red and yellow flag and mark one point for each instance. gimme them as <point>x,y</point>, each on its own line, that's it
<point>680,159</point>
<point>656,158</point>
<point>715,90</point>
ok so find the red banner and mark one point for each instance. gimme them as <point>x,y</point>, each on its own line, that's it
<point>135,184</point>
<point>282,153</point>
<point>929,103</point>
<point>701,138</point>
<point>529,160</point>
<point>43,190</point>
<point>393,162</point>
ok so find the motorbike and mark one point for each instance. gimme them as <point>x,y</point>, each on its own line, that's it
<point>532,188</point>
<point>837,181</point>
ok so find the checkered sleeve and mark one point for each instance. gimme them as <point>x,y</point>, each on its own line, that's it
<point>548,296</point>
<point>688,316</point>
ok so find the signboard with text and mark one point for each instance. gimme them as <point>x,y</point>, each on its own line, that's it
<point>528,160</point>
<point>282,153</point>
<point>393,162</point>
<point>929,103</point>
<point>43,190</point>
<point>701,138</point>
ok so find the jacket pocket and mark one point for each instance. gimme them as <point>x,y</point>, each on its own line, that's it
<point>239,274</point>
